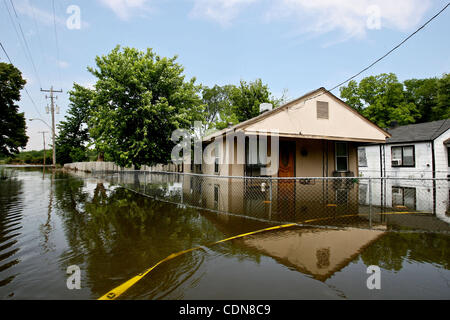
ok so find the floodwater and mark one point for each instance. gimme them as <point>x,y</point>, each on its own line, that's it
<point>50,221</point>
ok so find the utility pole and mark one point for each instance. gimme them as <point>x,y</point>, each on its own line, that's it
<point>43,137</point>
<point>52,110</point>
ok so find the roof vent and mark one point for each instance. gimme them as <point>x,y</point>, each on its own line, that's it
<point>263,107</point>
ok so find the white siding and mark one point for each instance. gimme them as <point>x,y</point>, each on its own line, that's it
<point>423,162</point>
<point>373,162</point>
<point>440,151</point>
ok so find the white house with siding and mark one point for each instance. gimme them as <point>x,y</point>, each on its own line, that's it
<point>413,151</point>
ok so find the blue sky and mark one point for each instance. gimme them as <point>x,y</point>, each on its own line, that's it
<point>293,45</point>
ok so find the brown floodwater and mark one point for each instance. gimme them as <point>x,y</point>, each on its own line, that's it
<point>50,221</point>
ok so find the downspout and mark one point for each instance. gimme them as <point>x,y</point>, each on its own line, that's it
<point>381,176</point>
<point>433,168</point>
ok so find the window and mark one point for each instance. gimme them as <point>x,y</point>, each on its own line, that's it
<point>362,200</point>
<point>342,196</point>
<point>341,156</point>
<point>322,110</point>
<point>255,156</point>
<point>216,196</point>
<point>448,156</point>
<point>404,198</point>
<point>403,156</point>
<point>362,159</point>
<point>216,157</point>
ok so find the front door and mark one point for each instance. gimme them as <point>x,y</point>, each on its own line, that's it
<point>287,159</point>
<point>286,188</point>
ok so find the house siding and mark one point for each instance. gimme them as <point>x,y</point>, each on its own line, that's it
<point>423,167</point>
<point>441,156</point>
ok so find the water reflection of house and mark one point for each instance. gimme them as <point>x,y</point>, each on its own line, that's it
<point>316,252</point>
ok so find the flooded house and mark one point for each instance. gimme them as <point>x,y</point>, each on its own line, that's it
<point>415,163</point>
<point>318,136</point>
<point>314,136</point>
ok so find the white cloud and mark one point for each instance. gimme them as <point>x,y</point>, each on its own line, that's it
<point>124,9</point>
<point>351,17</point>
<point>220,11</point>
<point>63,64</point>
<point>42,16</point>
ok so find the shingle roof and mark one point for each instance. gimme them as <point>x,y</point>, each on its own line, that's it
<point>322,90</point>
<point>427,131</point>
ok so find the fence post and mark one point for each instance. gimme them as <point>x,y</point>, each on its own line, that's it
<point>270,198</point>
<point>145,180</point>
<point>370,203</point>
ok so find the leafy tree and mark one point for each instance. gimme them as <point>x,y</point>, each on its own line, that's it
<point>217,104</point>
<point>12,123</point>
<point>381,99</point>
<point>442,108</point>
<point>423,93</point>
<point>141,98</point>
<point>247,97</point>
<point>232,104</point>
<point>73,137</point>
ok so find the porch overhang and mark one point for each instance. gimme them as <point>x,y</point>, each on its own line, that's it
<point>225,133</point>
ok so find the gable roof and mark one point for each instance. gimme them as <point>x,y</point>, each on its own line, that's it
<point>308,96</point>
<point>427,131</point>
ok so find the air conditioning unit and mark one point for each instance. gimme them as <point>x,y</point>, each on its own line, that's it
<point>396,163</point>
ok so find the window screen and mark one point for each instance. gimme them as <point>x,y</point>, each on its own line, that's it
<point>362,159</point>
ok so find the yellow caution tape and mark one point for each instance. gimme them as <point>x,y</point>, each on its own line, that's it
<point>117,291</point>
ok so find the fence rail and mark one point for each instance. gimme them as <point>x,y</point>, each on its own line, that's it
<point>386,203</point>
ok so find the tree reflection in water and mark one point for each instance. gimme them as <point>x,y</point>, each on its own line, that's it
<point>114,234</point>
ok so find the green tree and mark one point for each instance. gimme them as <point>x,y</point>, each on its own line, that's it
<point>141,98</point>
<point>13,127</point>
<point>73,137</point>
<point>442,108</point>
<point>246,98</point>
<point>217,104</point>
<point>232,104</point>
<point>423,93</point>
<point>381,99</point>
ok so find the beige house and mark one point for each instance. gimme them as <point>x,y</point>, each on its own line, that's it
<point>318,136</point>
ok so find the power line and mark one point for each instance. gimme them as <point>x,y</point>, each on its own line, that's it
<point>37,30</point>
<point>5,52</point>
<point>26,91</point>
<point>28,51</point>
<point>385,55</point>
<point>56,42</point>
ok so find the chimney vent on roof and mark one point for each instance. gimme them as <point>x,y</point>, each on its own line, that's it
<point>263,107</point>
<point>393,124</point>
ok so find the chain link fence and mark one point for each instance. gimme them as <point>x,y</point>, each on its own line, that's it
<point>381,203</point>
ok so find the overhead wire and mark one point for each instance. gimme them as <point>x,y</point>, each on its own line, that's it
<point>26,91</point>
<point>58,61</point>
<point>27,48</point>
<point>39,38</point>
<point>382,57</point>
